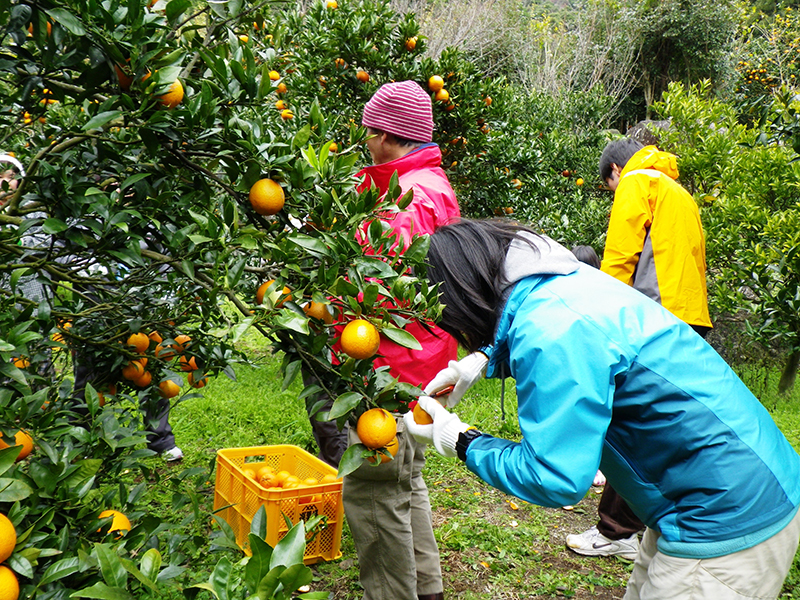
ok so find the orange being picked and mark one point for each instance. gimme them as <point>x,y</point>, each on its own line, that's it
<point>8,537</point>
<point>9,586</point>
<point>139,342</point>
<point>376,428</point>
<point>360,339</point>
<point>420,416</point>
<point>267,197</point>
<point>119,522</point>
<point>435,83</point>
<point>392,448</point>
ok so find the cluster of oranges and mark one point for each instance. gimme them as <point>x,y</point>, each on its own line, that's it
<point>436,85</point>
<point>9,586</point>
<point>273,479</point>
<point>136,370</point>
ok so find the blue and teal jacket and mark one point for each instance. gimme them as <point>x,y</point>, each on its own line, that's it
<point>608,378</point>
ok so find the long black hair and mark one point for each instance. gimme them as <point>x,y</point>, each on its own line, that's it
<point>467,258</point>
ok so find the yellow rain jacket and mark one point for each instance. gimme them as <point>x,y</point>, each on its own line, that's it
<point>655,240</point>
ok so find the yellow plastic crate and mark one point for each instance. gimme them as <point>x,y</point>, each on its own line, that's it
<point>242,497</point>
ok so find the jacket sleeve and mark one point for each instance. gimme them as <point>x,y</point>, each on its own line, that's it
<point>565,386</point>
<point>631,216</point>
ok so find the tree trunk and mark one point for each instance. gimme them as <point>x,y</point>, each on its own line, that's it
<point>789,372</point>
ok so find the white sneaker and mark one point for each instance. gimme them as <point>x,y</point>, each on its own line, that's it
<point>594,543</point>
<point>172,454</point>
<point>599,479</point>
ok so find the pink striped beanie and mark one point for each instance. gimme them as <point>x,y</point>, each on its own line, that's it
<point>401,108</point>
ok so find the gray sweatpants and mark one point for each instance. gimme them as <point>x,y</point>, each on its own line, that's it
<point>389,514</point>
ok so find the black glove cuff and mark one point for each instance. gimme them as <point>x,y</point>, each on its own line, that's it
<point>464,440</point>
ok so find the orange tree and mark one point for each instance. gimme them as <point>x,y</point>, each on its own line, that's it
<point>142,129</point>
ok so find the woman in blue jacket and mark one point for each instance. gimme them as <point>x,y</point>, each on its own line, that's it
<point>606,378</point>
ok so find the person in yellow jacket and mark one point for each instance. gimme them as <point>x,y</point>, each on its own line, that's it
<point>655,243</point>
<point>655,240</point>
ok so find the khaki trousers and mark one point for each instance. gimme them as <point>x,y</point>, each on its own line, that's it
<point>753,574</point>
<point>389,514</point>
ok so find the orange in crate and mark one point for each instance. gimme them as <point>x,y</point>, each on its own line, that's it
<point>239,495</point>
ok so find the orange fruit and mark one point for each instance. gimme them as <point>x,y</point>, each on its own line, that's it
<point>516,183</point>
<point>188,365</point>
<point>281,476</point>
<point>443,95</point>
<point>318,310</point>
<point>281,89</point>
<point>267,197</point>
<point>199,383</point>
<point>392,448</point>
<point>133,370</point>
<point>292,481</point>
<point>244,39</point>
<point>265,472</point>
<point>156,337</point>
<point>8,537</point>
<point>363,76</point>
<point>274,75</point>
<point>139,342</point>
<point>276,298</point>
<point>376,428</point>
<point>181,343</point>
<point>21,362</point>
<point>168,389</point>
<point>487,101</point>
<point>250,473</point>
<point>360,339</point>
<point>411,43</point>
<point>144,379</point>
<point>21,439</point>
<point>508,210</point>
<point>124,79</point>
<point>287,114</point>
<point>579,182</point>
<point>310,481</point>
<point>119,523</point>
<point>421,417</point>
<point>334,147</point>
<point>164,353</point>
<point>332,4</point>
<point>280,105</point>
<point>173,96</point>
<point>9,586</point>
<point>329,478</point>
<point>435,83</point>
<point>449,107</point>
<point>339,62</point>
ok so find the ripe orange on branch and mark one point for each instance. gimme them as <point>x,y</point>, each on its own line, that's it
<point>9,586</point>
<point>276,297</point>
<point>318,311</point>
<point>363,76</point>
<point>360,339</point>
<point>133,370</point>
<point>376,428</point>
<point>274,75</point>
<point>21,438</point>
<point>119,522</point>
<point>8,537</point>
<point>443,95</point>
<point>267,197</point>
<point>139,342</point>
<point>198,383</point>
<point>392,448</point>
<point>168,389</point>
<point>435,83</point>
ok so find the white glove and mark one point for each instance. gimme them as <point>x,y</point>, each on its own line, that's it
<point>463,374</point>
<point>444,430</point>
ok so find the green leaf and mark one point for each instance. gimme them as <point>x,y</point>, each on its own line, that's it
<point>269,583</point>
<point>53,226</point>
<point>300,140</point>
<point>296,576</point>
<point>101,119</point>
<point>401,337</point>
<point>406,199</point>
<point>59,570</point>
<point>292,369</point>
<point>258,526</point>
<point>351,460</point>
<point>150,564</point>
<point>103,592</point>
<point>288,319</point>
<point>258,565</point>
<point>111,567</point>
<point>344,404</point>
<point>418,249</point>
<point>290,550</point>
<point>176,8</point>
<point>13,490</point>
<point>8,456</point>
<point>373,267</point>
<point>314,245</point>
<point>68,20</point>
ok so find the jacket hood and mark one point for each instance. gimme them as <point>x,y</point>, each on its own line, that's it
<point>651,157</point>
<point>548,258</point>
<point>427,156</point>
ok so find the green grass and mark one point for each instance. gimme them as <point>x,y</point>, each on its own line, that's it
<point>492,546</point>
